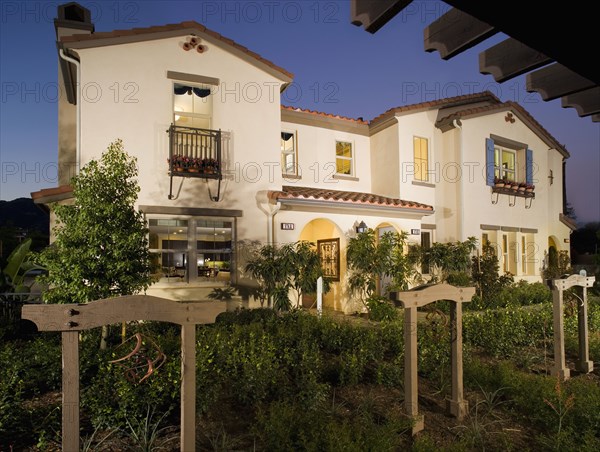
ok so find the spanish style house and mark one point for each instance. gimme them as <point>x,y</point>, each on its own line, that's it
<point>223,165</point>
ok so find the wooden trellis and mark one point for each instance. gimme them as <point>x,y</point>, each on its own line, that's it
<point>70,319</point>
<point>417,298</point>
<point>583,364</point>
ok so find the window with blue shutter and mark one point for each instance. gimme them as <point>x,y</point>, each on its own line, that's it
<point>529,166</point>
<point>489,161</point>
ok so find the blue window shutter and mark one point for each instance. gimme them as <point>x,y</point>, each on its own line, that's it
<point>489,161</point>
<point>529,166</point>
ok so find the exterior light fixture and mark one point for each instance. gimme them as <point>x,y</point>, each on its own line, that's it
<point>362,227</point>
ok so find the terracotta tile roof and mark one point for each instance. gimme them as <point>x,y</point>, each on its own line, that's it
<point>54,194</point>
<point>322,114</point>
<point>517,109</point>
<point>439,103</point>
<point>344,197</point>
<point>187,27</point>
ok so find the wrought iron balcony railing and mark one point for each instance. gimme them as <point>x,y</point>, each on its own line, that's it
<point>194,153</point>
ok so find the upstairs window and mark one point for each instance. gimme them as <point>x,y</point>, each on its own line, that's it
<point>344,156</point>
<point>192,106</point>
<point>505,164</point>
<point>421,159</point>
<point>289,155</point>
<point>509,160</point>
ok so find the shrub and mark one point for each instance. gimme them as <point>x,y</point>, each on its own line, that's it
<point>523,293</point>
<point>380,308</point>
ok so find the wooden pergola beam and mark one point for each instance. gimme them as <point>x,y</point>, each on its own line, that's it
<point>510,58</point>
<point>373,15</point>
<point>555,80</point>
<point>455,32</point>
<point>585,102</point>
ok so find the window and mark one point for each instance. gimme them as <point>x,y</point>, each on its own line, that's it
<point>421,159</point>
<point>289,156</point>
<point>505,261</point>
<point>343,157</point>
<point>509,160</point>
<point>184,250</point>
<point>192,106</point>
<point>505,164</point>
<point>425,247</point>
<point>523,255</point>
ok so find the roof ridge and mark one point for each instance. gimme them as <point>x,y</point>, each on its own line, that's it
<point>189,24</point>
<point>507,104</point>
<point>320,113</point>
<point>438,103</point>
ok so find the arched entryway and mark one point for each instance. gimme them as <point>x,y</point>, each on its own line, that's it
<point>331,244</point>
<point>385,281</point>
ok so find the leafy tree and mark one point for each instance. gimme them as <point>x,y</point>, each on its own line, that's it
<point>370,257</point>
<point>279,269</point>
<point>19,264</point>
<point>485,273</point>
<point>101,248</point>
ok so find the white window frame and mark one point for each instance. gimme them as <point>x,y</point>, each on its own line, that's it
<point>499,170</point>
<point>191,114</point>
<point>351,158</point>
<point>426,179</point>
<point>294,152</point>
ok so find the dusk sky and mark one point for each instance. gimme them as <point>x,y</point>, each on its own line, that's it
<point>338,67</point>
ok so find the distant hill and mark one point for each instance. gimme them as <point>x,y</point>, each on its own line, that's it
<point>23,213</point>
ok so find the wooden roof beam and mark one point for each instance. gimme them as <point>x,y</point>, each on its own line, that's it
<point>510,58</point>
<point>555,80</point>
<point>373,15</point>
<point>455,32</point>
<point>585,102</point>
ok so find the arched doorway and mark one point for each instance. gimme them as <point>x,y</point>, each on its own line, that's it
<point>328,235</point>
<point>385,281</point>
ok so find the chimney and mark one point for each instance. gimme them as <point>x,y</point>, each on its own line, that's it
<point>72,19</point>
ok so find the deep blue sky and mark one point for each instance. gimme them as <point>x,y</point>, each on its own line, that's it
<point>338,68</point>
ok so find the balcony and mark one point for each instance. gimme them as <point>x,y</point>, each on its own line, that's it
<point>194,153</point>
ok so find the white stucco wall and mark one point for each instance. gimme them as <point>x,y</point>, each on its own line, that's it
<point>127,95</point>
<point>316,158</point>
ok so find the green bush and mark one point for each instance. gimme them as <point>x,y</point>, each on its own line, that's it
<point>501,331</point>
<point>523,293</point>
<point>381,308</point>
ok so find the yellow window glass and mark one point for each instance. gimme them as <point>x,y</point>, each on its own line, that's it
<point>421,158</point>
<point>343,157</point>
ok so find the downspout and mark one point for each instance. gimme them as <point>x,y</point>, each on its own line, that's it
<point>270,227</point>
<point>78,107</point>
<point>461,221</point>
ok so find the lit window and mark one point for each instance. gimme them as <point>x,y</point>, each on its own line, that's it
<point>343,157</point>
<point>421,158</point>
<point>192,106</point>
<point>505,163</point>
<point>289,156</point>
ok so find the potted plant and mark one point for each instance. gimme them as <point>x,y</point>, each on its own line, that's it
<point>529,188</point>
<point>179,162</point>
<point>514,185</point>
<point>499,182</point>
<point>522,187</point>
<point>210,165</point>
<point>195,165</point>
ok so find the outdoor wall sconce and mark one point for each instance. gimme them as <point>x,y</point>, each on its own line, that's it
<point>362,227</point>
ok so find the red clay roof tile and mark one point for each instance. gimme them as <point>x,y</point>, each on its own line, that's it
<point>345,197</point>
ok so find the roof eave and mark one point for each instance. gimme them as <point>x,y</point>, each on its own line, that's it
<point>417,212</point>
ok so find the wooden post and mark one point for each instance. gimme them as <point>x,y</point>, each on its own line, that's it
<point>188,387</point>
<point>457,406</point>
<point>70,390</point>
<point>411,382</point>
<point>412,300</point>
<point>72,318</point>
<point>583,364</point>
<point>560,368</point>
